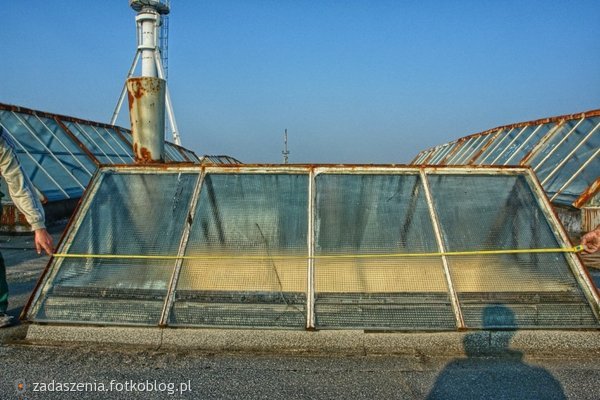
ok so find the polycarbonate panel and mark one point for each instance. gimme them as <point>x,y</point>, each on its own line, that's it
<point>500,212</point>
<point>130,214</point>
<point>253,230</point>
<point>51,177</point>
<point>367,215</point>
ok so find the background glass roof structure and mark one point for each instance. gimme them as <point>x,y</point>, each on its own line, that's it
<point>60,154</point>
<point>317,247</point>
<point>563,151</point>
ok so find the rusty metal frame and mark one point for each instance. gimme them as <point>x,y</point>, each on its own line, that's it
<point>458,316</point>
<point>90,173</point>
<point>29,128</point>
<point>170,296</point>
<point>34,160</point>
<point>571,153</point>
<point>590,192</point>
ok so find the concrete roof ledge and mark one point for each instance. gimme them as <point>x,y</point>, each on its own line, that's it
<point>351,342</point>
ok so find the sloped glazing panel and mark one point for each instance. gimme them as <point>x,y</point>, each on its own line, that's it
<point>62,147</point>
<point>47,174</point>
<point>514,145</point>
<point>366,216</point>
<point>500,212</point>
<point>105,142</point>
<point>528,143</point>
<point>130,214</point>
<point>99,150</point>
<point>498,138</point>
<point>560,144</point>
<point>582,170</point>
<point>124,149</point>
<point>250,234</point>
<point>172,153</point>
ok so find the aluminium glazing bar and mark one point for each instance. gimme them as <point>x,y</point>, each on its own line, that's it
<point>34,161</point>
<point>460,322</point>
<point>90,173</point>
<point>310,276</point>
<point>78,142</point>
<point>170,297</point>
<point>50,152</point>
<point>576,174</point>
<point>568,157</point>
<point>536,167</point>
<point>510,144</point>
<point>518,149</point>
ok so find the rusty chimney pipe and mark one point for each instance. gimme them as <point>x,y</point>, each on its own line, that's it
<point>147,113</point>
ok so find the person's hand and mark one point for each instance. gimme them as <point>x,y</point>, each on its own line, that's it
<point>591,241</point>
<point>43,241</point>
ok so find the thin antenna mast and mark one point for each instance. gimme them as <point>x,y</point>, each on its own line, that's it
<point>285,151</point>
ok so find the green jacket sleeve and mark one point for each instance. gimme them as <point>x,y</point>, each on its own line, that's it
<point>19,186</point>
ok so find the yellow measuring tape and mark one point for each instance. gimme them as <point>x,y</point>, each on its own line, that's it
<point>575,249</point>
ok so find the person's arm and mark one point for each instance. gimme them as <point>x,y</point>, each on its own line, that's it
<point>591,241</point>
<point>22,194</point>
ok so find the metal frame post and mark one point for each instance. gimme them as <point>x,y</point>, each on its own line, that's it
<point>460,322</point>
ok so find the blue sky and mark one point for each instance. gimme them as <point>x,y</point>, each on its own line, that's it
<point>352,81</point>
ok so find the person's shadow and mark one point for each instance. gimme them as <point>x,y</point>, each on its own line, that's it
<point>500,374</point>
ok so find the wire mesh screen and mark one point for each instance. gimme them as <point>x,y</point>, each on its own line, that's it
<point>246,236</point>
<point>130,214</point>
<point>252,231</point>
<point>483,212</point>
<point>367,215</point>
